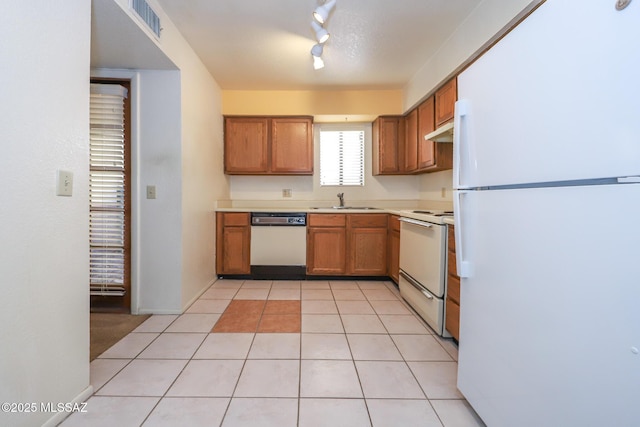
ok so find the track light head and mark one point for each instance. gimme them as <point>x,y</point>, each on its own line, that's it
<point>318,63</point>
<point>322,35</point>
<point>316,53</point>
<point>316,50</point>
<point>322,12</point>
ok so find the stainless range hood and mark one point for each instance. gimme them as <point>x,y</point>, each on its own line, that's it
<point>443,134</point>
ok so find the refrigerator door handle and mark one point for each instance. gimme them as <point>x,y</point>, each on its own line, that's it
<point>459,143</point>
<point>463,265</point>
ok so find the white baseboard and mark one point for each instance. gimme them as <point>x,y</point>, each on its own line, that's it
<point>142,310</point>
<point>60,416</point>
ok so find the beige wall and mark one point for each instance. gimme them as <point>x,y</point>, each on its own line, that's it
<point>325,106</point>
<point>203,180</point>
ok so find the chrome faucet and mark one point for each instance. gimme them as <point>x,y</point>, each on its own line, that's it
<point>341,197</point>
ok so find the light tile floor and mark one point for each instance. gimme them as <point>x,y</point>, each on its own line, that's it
<point>363,358</point>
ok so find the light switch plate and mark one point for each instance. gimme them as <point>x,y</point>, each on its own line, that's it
<point>64,183</point>
<point>151,191</point>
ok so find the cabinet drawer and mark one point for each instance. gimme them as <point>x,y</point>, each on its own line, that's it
<point>394,223</point>
<point>452,319</point>
<point>368,220</point>
<point>235,219</point>
<point>326,220</point>
<point>453,288</point>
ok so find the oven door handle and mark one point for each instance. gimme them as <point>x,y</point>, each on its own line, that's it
<point>413,282</point>
<point>416,222</point>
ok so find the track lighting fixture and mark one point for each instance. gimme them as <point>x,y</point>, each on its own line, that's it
<point>322,35</point>
<point>322,12</point>
<point>320,16</point>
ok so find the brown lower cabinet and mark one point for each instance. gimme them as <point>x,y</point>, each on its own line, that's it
<point>452,309</point>
<point>233,242</point>
<point>337,244</point>
<point>326,244</point>
<point>393,244</point>
<point>347,244</point>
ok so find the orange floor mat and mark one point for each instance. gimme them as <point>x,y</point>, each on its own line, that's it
<point>260,316</point>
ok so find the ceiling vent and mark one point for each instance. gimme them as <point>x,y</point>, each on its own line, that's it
<point>148,16</point>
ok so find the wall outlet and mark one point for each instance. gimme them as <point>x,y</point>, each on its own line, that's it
<point>286,192</point>
<point>151,191</point>
<point>64,183</point>
<point>443,192</point>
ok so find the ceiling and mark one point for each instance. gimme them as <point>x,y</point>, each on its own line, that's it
<point>266,44</point>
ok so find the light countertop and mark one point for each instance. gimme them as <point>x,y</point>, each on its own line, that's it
<point>407,213</point>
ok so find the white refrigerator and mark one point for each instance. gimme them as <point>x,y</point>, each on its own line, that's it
<point>547,213</point>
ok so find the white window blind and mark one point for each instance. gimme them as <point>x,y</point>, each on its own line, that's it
<point>342,157</point>
<point>107,199</point>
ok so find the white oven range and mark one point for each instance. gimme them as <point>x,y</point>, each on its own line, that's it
<point>423,265</point>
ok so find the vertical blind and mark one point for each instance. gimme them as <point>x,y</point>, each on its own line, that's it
<point>107,196</point>
<point>342,157</point>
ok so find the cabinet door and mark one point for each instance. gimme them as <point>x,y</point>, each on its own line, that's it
<point>367,251</point>
<point>233,240</point>
<point>411,142</point>
<point>446,98</point>
<point>292,146</point>
<point>326,250</point>
<point>452,317</point>
<point>246,145</point>
<point>387,133</point>
<point>393,248</point>
<point>426,125</point>
<point>235,256</point>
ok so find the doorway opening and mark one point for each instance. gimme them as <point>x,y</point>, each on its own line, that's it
<point>110,196</point>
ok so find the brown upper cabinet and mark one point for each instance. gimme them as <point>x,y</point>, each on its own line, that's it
<point>399,144</point>
<point>422,155</point>
<point>411,142</point>
<point>426,125</point>
<point>388,145</point>
<point>268,145</point>
<point>432,156</point>
<point>446,98</point>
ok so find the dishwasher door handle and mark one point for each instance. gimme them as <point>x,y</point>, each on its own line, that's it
<point>416,285</point>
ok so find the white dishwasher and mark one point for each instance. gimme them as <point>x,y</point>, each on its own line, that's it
<point>278,245</point>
